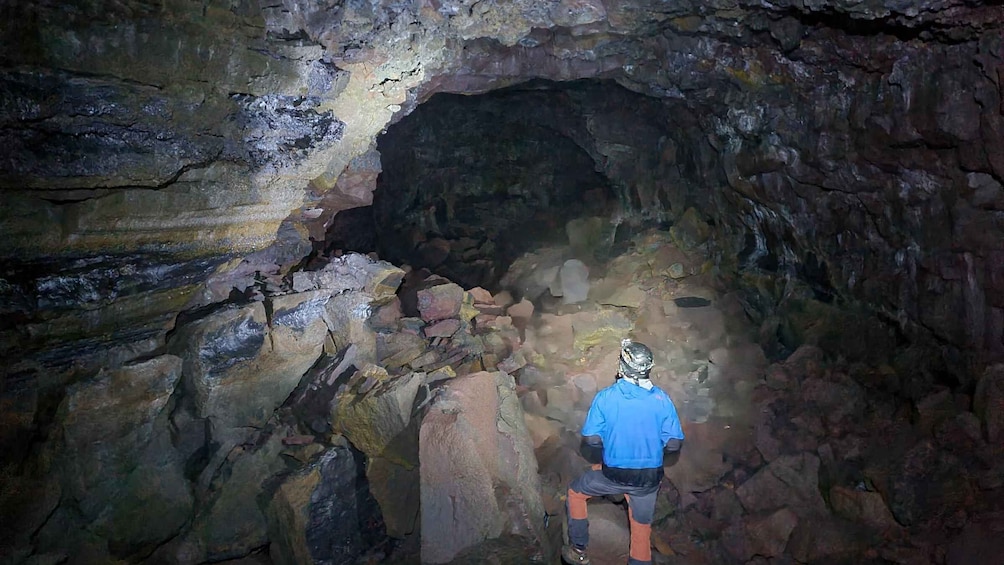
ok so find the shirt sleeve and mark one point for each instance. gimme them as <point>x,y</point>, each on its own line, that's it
<point>596,423</point>
<point>671,428</point>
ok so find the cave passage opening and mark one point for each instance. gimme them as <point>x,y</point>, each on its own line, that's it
<point>469,183</point>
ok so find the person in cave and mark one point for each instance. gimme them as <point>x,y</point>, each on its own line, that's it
<point>630,426</point>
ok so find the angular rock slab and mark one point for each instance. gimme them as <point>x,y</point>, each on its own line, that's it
<point>396,489</point>
<point>237,375</point>
<point>119,464</point>
<point>232,521</point>
<point>353,271</point>
<point>318,515</point>
<point>478,471</point>
<point>440,302</point>
<point>828,540</point>
<point>348,317</point>
<point>298,322</point>
<point>765,535</point>
<point>790,481</point>
<point>372,420</point>
<point>864,507</point>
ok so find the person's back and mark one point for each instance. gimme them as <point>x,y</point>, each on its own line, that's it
<point>632,422</point>
<point>636,424</point>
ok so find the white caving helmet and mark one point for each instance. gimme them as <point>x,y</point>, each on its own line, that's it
<point>636,362</point>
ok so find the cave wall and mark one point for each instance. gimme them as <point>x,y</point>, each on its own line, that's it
<point>886,173</point>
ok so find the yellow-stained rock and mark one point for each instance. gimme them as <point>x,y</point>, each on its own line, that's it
<point>373,419</point>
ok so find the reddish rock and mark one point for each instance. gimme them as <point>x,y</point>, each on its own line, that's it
<point>386,317</point>
<point>444,328</point>
<point>489,309</point>
<point>542,429</point>
<point>478,472</point>
<point>521,311</point>
<point>585,382</point>
<point>484,320</point>
<point>440,302</point>
<point>762,534</point>
<point>481,296</point>
<point>834,400</point>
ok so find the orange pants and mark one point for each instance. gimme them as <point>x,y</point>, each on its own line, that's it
<point>642,502</point>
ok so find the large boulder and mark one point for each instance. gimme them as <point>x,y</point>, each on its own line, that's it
<point>234,372</point>
<point>231,521</point>
<point>760,534</point>
<point>829,540</point>
<point>573,281</point>
<point>601,327</point>
<point>862,506</point>
<point>532,274</point>
<point>923,483</point>
<point>790,481</point>
<point>322,514</point>
<point>242,362</point>
<point>118,464</point>
<point>348,317</point>
<point>297,324</point>
<point>478,471</point>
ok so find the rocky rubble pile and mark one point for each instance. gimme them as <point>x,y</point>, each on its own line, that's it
<point>807,459</point>
<point>292,424</point>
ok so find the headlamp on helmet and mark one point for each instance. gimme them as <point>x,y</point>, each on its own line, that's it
<point>636,360</point>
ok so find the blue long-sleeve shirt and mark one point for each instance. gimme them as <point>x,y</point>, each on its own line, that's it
<point>634,424</point>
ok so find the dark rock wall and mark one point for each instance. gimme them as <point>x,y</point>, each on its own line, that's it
<point>145,146</point>
<point>855,155</point>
